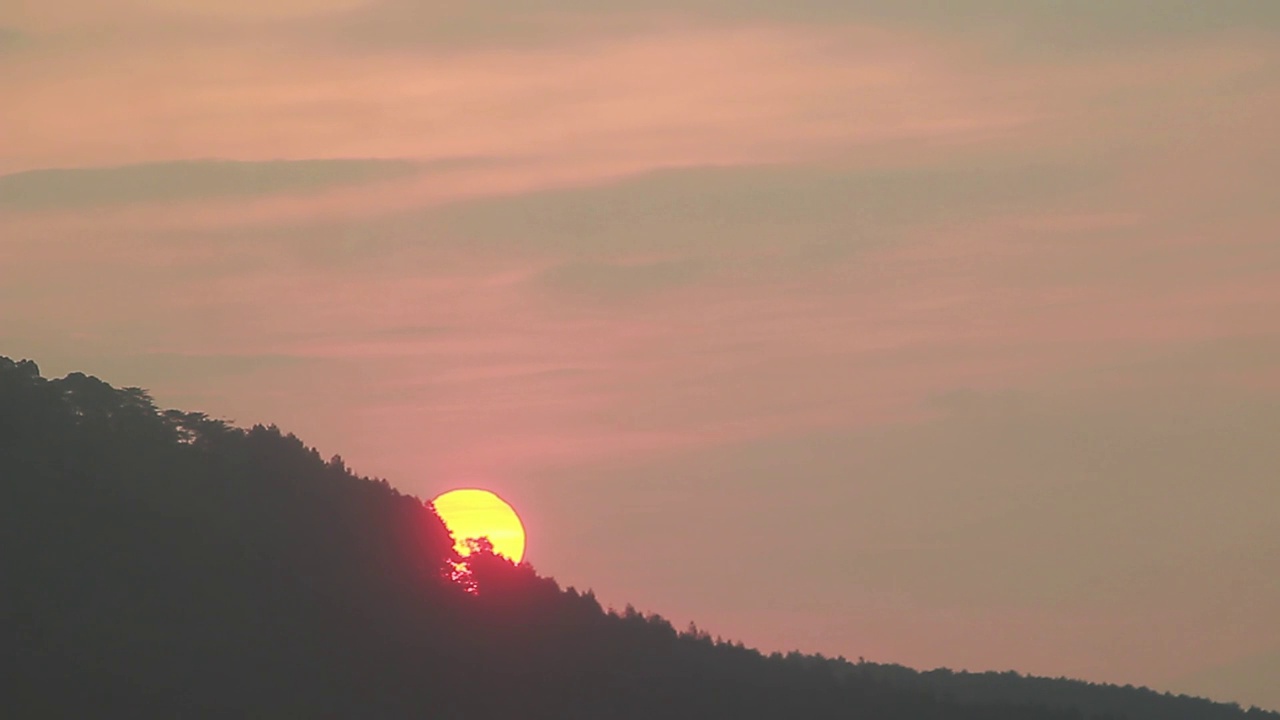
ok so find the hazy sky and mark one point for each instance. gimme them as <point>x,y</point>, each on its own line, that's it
<point>936,333</point>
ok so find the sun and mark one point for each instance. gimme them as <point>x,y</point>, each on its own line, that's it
<point>471,514</point>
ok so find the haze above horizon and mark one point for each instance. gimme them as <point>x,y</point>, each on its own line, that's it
<point>945,337</point>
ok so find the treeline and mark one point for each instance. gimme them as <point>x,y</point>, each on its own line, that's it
<point>156,563</point>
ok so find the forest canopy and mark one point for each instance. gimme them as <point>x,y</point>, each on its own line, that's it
<point>166,563</point>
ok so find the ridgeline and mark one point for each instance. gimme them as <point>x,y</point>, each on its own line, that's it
<point>157,563</point>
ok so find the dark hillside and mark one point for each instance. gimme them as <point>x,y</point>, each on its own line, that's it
<point>164,564</point>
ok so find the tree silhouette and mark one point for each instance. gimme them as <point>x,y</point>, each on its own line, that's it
<point>166,564</point>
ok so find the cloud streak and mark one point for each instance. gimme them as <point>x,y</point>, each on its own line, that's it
<point>167,182</point>
<point>855,292</point>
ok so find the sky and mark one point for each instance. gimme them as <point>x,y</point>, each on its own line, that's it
<point>944,334</point>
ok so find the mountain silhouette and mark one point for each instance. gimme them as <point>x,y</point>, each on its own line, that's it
<point>158,563</point>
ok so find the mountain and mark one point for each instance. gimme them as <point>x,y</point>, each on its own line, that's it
<point>158,563</point>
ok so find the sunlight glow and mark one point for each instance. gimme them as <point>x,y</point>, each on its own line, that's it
<point>470,514</point>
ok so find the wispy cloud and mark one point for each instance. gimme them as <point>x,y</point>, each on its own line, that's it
<point>670,98</point>
<point>10,39</point>
<point>1027,25</point>
<point>614,281</point>
<point>166,182</point>
<point>903,283</point>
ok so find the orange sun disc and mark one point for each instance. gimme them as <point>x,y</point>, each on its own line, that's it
<point>471,514</point>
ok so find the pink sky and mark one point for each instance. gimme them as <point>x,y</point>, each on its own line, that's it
<point>934,338</point>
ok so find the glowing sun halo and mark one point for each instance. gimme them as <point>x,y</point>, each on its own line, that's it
<point>471,514</point>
